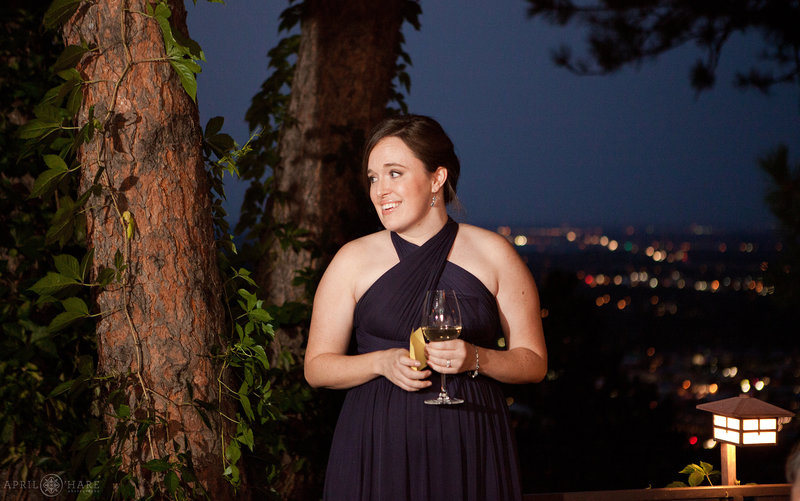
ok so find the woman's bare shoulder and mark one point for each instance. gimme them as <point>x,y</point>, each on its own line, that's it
<point>482,253</point>
<point>364,247</point>
<point>360,256</point>
<point>484,241</point>
<point>361,261</point>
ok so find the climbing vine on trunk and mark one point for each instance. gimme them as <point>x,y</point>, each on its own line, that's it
<point>182,371</point>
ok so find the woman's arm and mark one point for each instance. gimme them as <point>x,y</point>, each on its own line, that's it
<point>326,362</point>
<point>525,359</point>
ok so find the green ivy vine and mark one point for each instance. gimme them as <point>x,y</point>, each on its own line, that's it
<point>54,134</point>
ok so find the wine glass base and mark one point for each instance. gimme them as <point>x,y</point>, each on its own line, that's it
<point>444,401</point>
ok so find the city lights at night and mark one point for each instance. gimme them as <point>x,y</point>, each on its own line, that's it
<point>684,312</point>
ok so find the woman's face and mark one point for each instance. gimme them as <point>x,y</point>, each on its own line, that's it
<point>400,186</point>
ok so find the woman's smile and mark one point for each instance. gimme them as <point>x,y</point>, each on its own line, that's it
<point>387,207</point>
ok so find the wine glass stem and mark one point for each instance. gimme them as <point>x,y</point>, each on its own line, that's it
<point>443,391</point>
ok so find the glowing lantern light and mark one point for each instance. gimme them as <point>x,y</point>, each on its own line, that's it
<point>743,421</point>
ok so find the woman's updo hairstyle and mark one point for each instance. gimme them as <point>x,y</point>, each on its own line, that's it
<point>426,139</point>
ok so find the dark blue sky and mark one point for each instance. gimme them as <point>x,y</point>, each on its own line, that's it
<point>539,145</point>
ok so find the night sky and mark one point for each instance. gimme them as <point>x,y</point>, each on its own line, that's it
<point>539,145</point>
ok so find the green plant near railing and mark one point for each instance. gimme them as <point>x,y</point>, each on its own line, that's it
<point>699,474</point>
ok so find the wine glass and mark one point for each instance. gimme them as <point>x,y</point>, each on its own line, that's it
<point>441,320</point>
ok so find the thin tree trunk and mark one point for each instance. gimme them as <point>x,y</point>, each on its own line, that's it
<point>160,325</point>
<point>340,90</point>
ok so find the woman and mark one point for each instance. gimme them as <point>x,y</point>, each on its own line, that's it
<point>388,444</point>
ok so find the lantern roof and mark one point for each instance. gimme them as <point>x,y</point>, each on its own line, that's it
<point>744,406</point>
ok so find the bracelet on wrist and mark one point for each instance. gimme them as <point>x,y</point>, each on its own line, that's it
<point>477,362</point>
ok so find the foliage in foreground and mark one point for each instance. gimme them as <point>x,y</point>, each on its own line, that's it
<point>55,402</point>
<point>699,474</point>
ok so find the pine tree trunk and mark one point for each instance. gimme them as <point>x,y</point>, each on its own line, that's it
<point>159,327</point>
<point>340,90</point>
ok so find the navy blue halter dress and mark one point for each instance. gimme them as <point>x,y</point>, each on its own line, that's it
<point>390,445</point>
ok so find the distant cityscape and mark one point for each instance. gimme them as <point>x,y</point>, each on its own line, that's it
<point>698,259</point>
<point>684,316</point>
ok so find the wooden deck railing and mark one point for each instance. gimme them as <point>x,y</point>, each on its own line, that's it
<point>766,492</point>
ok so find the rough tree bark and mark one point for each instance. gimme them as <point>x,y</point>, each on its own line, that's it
<point>162,324</point>
<point>340,90</point>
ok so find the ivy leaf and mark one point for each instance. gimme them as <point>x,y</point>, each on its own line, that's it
<point>68,266</point>
<point>69,58</point>
<point>124,412</point>
<point>184,69</point>
<point>162,13</point>
<point>126,488</point>
<point>251,299</point>
<point>214,125</point>
<point>70,75</point>
<point>244,274</point>
<point>246,437</point>
<point>233,472</point>
<point>157,465</point>
<point>105,277</point>
<point>71,89</point>
<point>55,162</point>
<point>707,468</point>
<point>61,388</point>
<point>48,113</point>
<point>171,481</point>
<point>38,129</point>
<point>244,389</point>
<point>74,105</point>
<point>63,223</point>
<point>47,181</point>
<point>59,11</point>
<point>248,409</point>
<point>75,304</point>
<point>81,201</point>
<point>221,144</point>
<point>695,478</point>
<point>691,468</point>
<point>86,263</point>
<point>141,430</point>
<point>261,355</point>
<point>189,47</point>
<point>130,224</point>
<point>204,417</point>
<point>119,260</point>
<point>259,315</point>
<point>52,283</point>
<point>64,319</point>
<point>233,452</point>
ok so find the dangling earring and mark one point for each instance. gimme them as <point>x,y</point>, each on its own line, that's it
<point>433,201</point>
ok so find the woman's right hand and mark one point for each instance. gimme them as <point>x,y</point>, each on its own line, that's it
<point>396,366</point>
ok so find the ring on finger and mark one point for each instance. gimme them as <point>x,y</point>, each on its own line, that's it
<point>449,364</point>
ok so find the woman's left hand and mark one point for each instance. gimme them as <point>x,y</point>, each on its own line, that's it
<point>450,357</point>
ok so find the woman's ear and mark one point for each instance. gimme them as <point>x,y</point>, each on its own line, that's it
<point>439,178</point>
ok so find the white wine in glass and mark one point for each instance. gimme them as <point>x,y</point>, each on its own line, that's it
<point>441,320</point>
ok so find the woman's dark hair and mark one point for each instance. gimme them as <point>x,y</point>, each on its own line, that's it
<point>426,139</point>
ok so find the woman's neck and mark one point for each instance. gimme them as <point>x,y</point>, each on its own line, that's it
<point>426,228</point>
